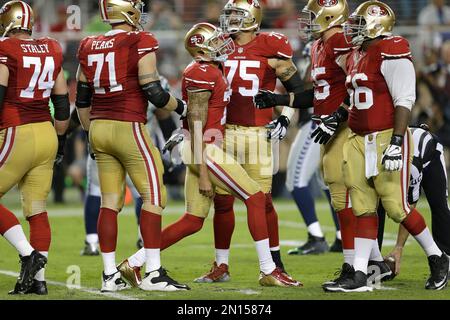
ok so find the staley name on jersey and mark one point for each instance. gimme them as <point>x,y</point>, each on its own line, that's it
<point>35,48</point>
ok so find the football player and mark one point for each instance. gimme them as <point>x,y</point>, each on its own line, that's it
<point>378,152</point>
<point>258,61</point>
<point>322,21</point>
<point>30,74</point>
<point>118,77</point>
<point>207,91</point>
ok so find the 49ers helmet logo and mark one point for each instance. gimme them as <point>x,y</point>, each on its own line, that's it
<point>377,11</point>
<point>5,9</point>
<point>327,3</point>
<point>196,39</point>
<point>254,3</point>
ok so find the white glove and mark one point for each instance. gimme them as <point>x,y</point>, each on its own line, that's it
<point>173,141</point>
<point>392,157</point>
<point>278,128</point>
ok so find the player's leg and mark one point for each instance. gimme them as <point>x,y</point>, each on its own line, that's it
<point>392,188</point>
<point>303,162</point>
<point>91,209</point>
<point>435,186</point>
<point>143,163</point>
<point>138,203</point>
<point>337,244</point>
<point>111,175</point>
<point>34,188</point>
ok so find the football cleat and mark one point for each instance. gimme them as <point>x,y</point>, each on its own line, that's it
<point>30,265</point>
<point>113,282</point>
<point>277,279</point>
<point>159,280</point>
<point>357,282</point>
<point>314,245</point>
<point>90,249</point>
<point>345,272</point>
<point>216,274</point>
<point>38,287</point>
<point>380,270</point>
<point>131,274</point>
<point>336,246</point>
<point>439,272</point>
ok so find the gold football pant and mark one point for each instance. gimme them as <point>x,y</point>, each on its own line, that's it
<point>251,149</point>
<point>224,172</point>
<point>389,186</point>
<point>332,156</point>
<point>27,155</point>
<point>125,147</point>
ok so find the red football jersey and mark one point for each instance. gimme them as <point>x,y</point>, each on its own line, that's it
<point>110,63</point>
<point>372,105</point>
<point>248,71</point>
<point>204,76</point>
<point>328,77</point>
<point>33,68</point>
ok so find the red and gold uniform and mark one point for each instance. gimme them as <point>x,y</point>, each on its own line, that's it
<point>329,93</point>
<point>117,134</point>
<point>225,173</point>
<point>28,142</point>
<point>371,120</point>
<point>248,71</point>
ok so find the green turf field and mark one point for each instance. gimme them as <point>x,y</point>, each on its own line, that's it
<point>192,257</point>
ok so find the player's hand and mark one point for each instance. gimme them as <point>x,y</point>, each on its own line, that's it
<point>326,129</point>
<point>278,128</point>
<point>173,141</point>
<point>392,159</point>
<point>394,259</point>
<point>60,153</point>
<point>266,99</point>
<point>205,186</point>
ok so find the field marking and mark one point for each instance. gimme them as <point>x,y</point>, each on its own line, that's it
<point>83,289</point>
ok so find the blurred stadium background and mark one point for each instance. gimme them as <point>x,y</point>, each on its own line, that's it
<point>426,23</point>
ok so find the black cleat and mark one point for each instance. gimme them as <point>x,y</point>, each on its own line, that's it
<point>30,265</point>
<point>159,280</point>
<point>439,272</point>
<point>357,282</point>
<point>345,272</point>
<point>380,270</point>
<point>314,245</point>
<point>90,249</point>
<point>38,287</point>
<point>336,246</point>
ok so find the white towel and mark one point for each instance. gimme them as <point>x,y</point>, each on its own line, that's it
<point>370,150</point>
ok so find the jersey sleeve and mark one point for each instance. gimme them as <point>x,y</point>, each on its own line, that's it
<point>81,48</point>
<point>4,51</point>
<point>199,78</point>
<point>278,45</point>
<point>339,45</point>
<point>395,48</point>
<point>147,43</point>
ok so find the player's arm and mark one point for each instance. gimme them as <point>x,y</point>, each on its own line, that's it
<point>61,103</point>
<point>400,77</point>
<point>197,115</point>
<point>151,86</point>
<point>4,78</point>
<point>395,255</point>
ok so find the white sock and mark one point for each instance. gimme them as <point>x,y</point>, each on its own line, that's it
<point>266,264</point>
<point>349,256</point>
<point>375,254</point>
<point>153,260</point>
<point>92,238</point>
<point>315,229</point>
<point>18,240</point>
<point>109,263</point>
<point>363,248</point>
<point>426,241</point>
<point>222,256</point>
<point>138,259</point>
<point>40,275</point>
<point>338,235</point>
<point>275,248</point>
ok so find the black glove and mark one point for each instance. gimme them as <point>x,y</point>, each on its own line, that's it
<point>278,128</point>
<point>266,99</point>
<point>328,124</point>
<point>60,153</point>
<point>91,153</point>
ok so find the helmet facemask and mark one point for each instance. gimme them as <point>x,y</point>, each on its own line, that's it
<point>217,48</point>
<point>355,30</point>
<point>308,28</point>
<point>233,20</point>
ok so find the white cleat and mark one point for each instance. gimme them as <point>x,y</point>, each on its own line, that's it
<point>113,283</point>
<point>158,280</point>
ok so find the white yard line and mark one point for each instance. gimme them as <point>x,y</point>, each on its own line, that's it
<point>83,289</point>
